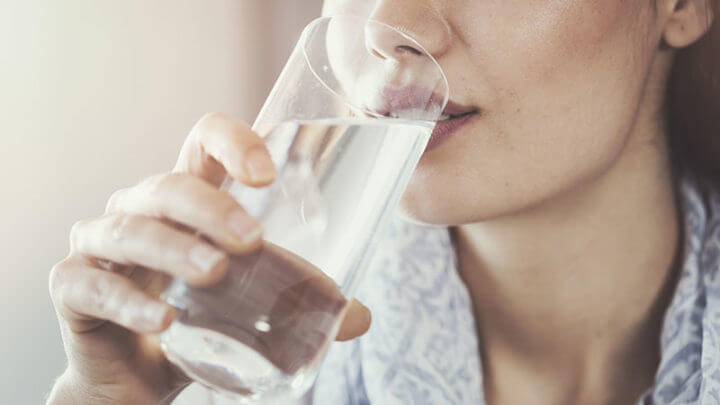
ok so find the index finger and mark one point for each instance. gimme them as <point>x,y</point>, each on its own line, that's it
<point>218,145</point>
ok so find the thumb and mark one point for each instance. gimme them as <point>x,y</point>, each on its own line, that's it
<point>356,322</point>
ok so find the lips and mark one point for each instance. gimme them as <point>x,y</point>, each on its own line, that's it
<point>416,102</point>
<point>393,101</point>
<point>454,110</point>
<point>445,129</point>
<point>409,102</point>
<point>454,117</point>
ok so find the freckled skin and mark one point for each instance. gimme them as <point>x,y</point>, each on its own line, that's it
<point>559,84</point>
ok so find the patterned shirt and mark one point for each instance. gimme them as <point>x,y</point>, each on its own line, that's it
<point>422,347</point>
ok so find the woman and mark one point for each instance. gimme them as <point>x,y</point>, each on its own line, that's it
<point>581,235</point>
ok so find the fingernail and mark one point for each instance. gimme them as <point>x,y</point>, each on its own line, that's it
<point>155,314</point>
<point>259,167</point>
<point>204,257</point>
<point>244,226</point>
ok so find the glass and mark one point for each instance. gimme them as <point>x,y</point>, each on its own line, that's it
<point>346,123</point>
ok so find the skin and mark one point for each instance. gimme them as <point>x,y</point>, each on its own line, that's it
<point>105,292</point>
<point>558,194</point>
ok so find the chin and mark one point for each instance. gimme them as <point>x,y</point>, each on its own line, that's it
<point>434,196</point>
<point>428,211</point>
<point>442,203</point>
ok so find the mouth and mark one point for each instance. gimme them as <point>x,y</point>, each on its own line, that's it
<point>419,103</point>
<point>411,101</point>
<point>454,111</point>
<point>454,117</point>
<point>448,125</point>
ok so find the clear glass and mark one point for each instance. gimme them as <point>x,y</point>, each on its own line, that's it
<point>346,124</point>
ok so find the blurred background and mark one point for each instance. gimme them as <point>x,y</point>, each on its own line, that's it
<point>95,96</point>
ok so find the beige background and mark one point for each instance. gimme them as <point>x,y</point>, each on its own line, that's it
<point>94,96</point>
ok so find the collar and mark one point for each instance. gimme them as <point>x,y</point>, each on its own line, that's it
<point>422,347</point>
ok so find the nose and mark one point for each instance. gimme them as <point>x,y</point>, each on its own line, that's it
<point>415,18</point>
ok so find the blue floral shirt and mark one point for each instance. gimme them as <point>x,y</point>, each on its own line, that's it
<point>422,347</point>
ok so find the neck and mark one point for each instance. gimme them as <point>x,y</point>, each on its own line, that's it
<point>572,292</point>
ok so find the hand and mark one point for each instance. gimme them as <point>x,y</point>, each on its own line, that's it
<point>106,291</point>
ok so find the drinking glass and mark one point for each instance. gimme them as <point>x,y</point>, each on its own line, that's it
<point>346,123</point>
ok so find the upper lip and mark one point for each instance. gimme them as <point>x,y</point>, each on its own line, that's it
<point>453,109</point>
<point>392,100</point>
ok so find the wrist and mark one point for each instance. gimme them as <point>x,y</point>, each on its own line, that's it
<point>70,389</point>
<point>64,392</point>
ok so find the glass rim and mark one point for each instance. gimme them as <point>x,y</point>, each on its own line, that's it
<point>317,21</point>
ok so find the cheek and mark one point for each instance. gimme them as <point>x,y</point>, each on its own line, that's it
<point>567,97</point>
<point>559,83</point>
<point>543,46</point>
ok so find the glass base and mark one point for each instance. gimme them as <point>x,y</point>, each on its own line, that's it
<point>228,366</point>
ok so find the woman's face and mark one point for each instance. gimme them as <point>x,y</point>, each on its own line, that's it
<point>556,83</point>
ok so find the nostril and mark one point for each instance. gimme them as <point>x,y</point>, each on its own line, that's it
<point>406,48</point>
<point>387,42</point>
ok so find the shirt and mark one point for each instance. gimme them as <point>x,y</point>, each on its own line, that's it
<point>422,347</point>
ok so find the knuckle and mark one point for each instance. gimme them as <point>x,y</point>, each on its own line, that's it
<point>114,202</point>
<point>76,234</point>
<point>153,183</point>
<point>206,122</point>
<point>159,184</point>
<point>213,116</point>
<point>224,129</point>
<point>56,278</point>
<point>124,226</point>
<point>157,189</point>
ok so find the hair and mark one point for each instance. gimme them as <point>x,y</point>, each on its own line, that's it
<point>693,102</point>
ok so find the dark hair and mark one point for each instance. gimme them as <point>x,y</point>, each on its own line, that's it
<point>693,103</point>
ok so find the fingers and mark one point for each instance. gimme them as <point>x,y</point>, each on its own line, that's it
<point>217,144</point>
<point>83,295</point>
<point>187,200</point>
<point>129,239</point>
<point>356,322</point>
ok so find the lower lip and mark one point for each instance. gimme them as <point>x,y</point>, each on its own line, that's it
<point>444,130</point>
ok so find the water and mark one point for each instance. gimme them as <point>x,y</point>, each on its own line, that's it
<point>263,330</point>
<point>260,330</point>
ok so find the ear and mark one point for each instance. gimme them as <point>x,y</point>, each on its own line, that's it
<point>687,21</point>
